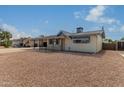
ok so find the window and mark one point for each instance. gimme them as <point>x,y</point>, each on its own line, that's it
<point>76,41</point>
<point>83,40</point>
<point>50,41</point>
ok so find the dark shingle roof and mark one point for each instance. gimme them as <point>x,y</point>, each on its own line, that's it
<point>81,34</point>
<point>65,33</point>
<point>101,32</point>
<point>89,33</point>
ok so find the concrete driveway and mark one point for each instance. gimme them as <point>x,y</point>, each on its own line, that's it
<point>121,53</point>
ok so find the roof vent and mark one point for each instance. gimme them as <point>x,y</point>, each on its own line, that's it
<point>79,29</point>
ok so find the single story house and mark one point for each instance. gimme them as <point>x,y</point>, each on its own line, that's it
<point>79,41</point>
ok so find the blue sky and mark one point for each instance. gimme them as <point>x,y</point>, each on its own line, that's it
<point>33,21</point>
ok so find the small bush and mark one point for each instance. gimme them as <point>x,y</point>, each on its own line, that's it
<point>7,43</point>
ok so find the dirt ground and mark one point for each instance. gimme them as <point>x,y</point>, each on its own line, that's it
<point>54,69</point>
<point>11,50</point>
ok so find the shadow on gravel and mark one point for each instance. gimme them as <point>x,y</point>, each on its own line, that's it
<point>97,55</point>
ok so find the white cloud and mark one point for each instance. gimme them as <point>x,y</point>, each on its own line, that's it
<point>80,14</point>
<point>111,29</point>
<point>107,20</point>
<point>35,31</point>
<point>115,28</point>
<point>77,14</point>
<point>15,33</point>
<point>97,14</point>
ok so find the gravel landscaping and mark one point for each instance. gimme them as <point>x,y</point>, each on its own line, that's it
<point>54,69</point>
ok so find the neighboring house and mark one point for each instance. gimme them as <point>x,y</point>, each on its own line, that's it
<point>22,42</point>
<point>16,42</point>
<point>26,42</point>
<point>65,41</point>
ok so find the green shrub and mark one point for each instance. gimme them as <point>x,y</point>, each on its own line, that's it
<point>7,43</point>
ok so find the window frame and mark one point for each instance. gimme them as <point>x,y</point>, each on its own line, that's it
<point>84,40</point>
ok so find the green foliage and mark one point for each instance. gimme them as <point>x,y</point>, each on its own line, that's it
<point>110,40</point>
<point>5,38</point>
<point>7,43</point>
<point>122,38</point>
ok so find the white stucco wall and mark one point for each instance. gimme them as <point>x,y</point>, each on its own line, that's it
<point>83,47</point>
<point>99,43</point>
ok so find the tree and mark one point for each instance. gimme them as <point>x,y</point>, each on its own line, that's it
<point>0,37</point>
<point>5,38</point>
<point>109,40</point>
<point>122,38</point>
